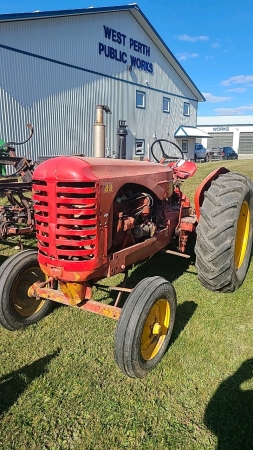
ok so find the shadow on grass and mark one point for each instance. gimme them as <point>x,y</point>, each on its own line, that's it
<point>9,245</point>
<point>184,313</point>
<point>14,383</point>
<point>164,265</point>
<point>2,259</point>
<point>229,414</point>
<point>170,267</point>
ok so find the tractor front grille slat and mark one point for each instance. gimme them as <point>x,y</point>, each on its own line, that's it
<point>77,231</point>
<point>66,226</point>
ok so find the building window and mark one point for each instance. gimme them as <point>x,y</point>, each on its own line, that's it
<point>140,147</point>
<point>140,99</point>
<point>166,105</point>
<point>185,146</point>
<point>186,109</point>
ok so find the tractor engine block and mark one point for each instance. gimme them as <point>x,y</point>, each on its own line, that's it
<point>132,216</point>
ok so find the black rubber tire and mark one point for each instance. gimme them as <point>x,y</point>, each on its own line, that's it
<point>11,273</point>
<point>217,231</point>
<point>127,343</point>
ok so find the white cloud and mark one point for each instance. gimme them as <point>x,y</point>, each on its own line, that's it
<point>240,110</point>
<point>215,45</point>
<point>215,99</point>
<point>181,57</point>
<point>240,90</point>
<point>238,79</point>
<point>209,57</point>
<point>184,56</point>
<point>187,38</point>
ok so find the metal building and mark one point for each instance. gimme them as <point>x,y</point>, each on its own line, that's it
<point>231,131</point>
<point>57,66</point>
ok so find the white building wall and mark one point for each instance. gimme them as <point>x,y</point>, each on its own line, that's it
<point>237,125</point>
<point>236,137</point>
<point>236,130</point>
<point>52,76</point>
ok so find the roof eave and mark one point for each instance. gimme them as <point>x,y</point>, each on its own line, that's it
<point>181,132</point>
<point>63,13</point>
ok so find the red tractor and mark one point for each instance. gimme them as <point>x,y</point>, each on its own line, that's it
<point>97,217</point>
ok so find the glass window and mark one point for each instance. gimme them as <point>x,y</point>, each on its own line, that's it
<point>186,109</point>
<point>140,99</point>
<point>140,147</point>
<point>184,146</point>
<point>166,105</point>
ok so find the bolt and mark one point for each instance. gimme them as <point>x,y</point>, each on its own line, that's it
<point>156,328</point>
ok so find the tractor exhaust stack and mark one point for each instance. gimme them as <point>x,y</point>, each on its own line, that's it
<point>99,131</point>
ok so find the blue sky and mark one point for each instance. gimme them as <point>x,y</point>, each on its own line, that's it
<point>212,40</point>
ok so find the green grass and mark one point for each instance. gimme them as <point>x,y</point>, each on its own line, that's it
<point>61,389</point>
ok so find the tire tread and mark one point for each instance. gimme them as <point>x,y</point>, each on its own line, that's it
<point>216,232</point>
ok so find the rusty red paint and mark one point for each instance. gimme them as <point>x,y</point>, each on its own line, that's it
<point>110,311</point>
<point>204,186</point>
<point>77,185</point>
<point>88,234</point>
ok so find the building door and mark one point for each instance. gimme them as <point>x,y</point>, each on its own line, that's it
<point>246,143</point>
<point>220,140</point>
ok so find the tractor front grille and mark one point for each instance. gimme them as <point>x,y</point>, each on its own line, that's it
<point>66,218</point>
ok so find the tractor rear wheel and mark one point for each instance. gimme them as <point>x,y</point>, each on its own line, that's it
<point>145,326</point>
<point>225,233</point>
<point>17,274</point>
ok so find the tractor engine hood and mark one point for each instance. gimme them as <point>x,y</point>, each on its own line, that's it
<point>108,172</point>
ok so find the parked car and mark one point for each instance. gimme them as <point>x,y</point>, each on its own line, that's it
<point>215,154</point>
<point>221,153</point>
<point>200,152</point>
<point>229,153</point>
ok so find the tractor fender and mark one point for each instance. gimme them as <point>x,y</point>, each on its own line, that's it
<point>204,186</point>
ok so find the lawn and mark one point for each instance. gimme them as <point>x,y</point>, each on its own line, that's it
<point>61,389</point>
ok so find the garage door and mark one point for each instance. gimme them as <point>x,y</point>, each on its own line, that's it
<point>220,140</point>
<point>246,143</point>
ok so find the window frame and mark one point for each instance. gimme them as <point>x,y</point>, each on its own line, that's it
<point>143,106</point>
<point>185,143</point>
<point>167,111</point>
<point>186,104</point>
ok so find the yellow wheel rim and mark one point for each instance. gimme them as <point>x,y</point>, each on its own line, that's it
<point>155,329</point>
<point>242,235</point>
<point>27,306</point>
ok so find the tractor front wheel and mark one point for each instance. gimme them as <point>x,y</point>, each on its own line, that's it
<point>145,326</point>
<point>225,232</point>
<point>17,274</point>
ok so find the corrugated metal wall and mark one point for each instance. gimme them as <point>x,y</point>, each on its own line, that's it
<point>52,76</point>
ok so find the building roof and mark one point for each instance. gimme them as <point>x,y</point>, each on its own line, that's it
<point>224,120</point>
<point>183,132</point>
<point>138,15</point>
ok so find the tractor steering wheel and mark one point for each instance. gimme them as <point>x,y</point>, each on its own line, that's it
<point>164,155</point>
